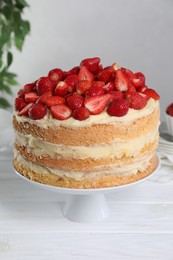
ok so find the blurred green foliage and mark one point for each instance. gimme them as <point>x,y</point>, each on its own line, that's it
<point>13,30</point>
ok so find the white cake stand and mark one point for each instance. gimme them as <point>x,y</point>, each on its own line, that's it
<point>86,205</point>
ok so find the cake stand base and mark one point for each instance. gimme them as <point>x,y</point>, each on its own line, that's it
<point>86,208</point>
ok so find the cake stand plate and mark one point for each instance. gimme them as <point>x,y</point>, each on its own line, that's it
<point>87,205</point>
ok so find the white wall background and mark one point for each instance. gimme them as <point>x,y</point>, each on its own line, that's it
<point>135,34</point>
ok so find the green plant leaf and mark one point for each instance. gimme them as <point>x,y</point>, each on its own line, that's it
<point>1,63</point>
<point>4,103</point>
<point>18,43</point>
<point>12,81</point>
<point>5,88</point>
<point>9,58</point>
<point>23,3</point>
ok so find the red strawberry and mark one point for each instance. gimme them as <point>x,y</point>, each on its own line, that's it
<point>37,111</point>
<point>137,82</point>
<point>108,87</point>
<point>43,98</point>
<point>26,89</point>
<point>169,109</point>
<point>121,80</point>
<point>43,85</point>
<point>83,86</point>
<point>142,88</point>
<point>72,81</point>
<point>75,101</point>
<point>80,113</point>
<point>91,64</point>
<point>61,89</point>
<point>115,95</point>
<point>54,100</point>
<point>129,74</point>
<point>73,71</point>
<point>95,91</point>
<point>55,75</point>
<point>98,70</point>
<point>24,111</point>
<point>140,75</point>
<point>98,84</point>
<point>85,74</point>
<point>97,104</point>
<point>118,108</point>
<point>31,97</point>
<point>61,112</point>
<point>151,93</point>
<point>29,87</point>
<point>115,66</point>
<point>106,74</point>
<point>136,101</point>
<point>19,104</point>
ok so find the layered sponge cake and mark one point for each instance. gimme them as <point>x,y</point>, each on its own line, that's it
<point>89,127</point>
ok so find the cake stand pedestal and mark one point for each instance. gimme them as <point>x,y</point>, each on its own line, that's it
<point>86,205</point>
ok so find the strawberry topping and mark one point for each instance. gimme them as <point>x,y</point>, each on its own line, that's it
<point>118,108</point>
<point>37,111</point>
<point>61,112</point>
<point>84,90</point>
<point>169,109</point>
<point>97,104</point>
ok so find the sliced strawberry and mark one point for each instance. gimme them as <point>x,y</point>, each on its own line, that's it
<point>61,112</point>
<point>136,101</point>
<point>98,70</point>
<point>43,98</point>
<point>115,66</point>
<point>98,84</point>
<point>169,109</point>
<point>137,82</point>
<point>61,89</point>
<point>115,95</point>
<point>91,64</point>
<point>75,101</point>
<point>54,100</point>
<point>129,74</point>
<point>95,91</point>
<point>142,88</point>
<point>83,86</point>
<point>118,107</point>
<point>85,74</point>
<point>97,104</point>
<point>37,111</point>
<point>31,97</point>
<point>55,75</point>
<point>80,113</point>
<point>121,81</point>
<point>108,87</point>
<point>73,71</point>
<point>19,104</point>
<point>106,74</point>
<point>152,93</point>
<point>24,111</point>
<point>141,76</point>
<point>72,81</point>
<point>43,85</point>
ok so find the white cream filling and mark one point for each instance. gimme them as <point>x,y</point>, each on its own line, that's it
<point>103,118</point>
<point>112,169</point>
<point>118,148</point>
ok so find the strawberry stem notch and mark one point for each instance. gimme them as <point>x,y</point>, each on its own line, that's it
<point>84,90</point>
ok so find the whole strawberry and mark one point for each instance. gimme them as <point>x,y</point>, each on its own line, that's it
<point>43,85</point>
<point>118,108</point>
<point>37,111</point>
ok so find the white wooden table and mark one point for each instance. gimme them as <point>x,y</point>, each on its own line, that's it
<point>32,226</point>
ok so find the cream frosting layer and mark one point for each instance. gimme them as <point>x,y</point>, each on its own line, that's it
<point>118,148</point>
<point>103,118</point>
<point>112,169</point>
